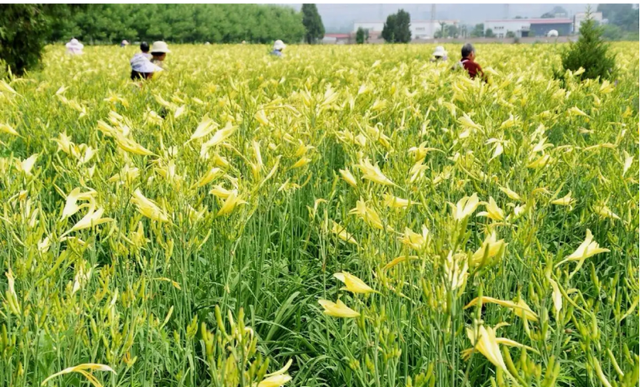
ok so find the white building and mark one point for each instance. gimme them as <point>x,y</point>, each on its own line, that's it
<point>519,27</point>
<point>420,29</point>
<point>580,17</point>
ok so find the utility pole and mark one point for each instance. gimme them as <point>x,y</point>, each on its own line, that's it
<point>433,21</point>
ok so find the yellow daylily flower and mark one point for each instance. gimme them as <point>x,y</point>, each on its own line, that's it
<point>493,211</point>
<point>230,203</point>
<point>82,369</point>
<point>64,143</point>
<point>92,218</point>
<point>301,163</point>
<point>465,207</point>
<point>218,137</point>
<point>27,165</point>
<point>342,233</point>
<point>492,247</point>
<point>369,215</point>
<point>71,206</point>
<point>510,194</point>
<point>604,211</point>
<point>128,145</point>
<point>373,173</point>
<point>521,309</point>
<point>567,200</point>
<point>353,283</point>
<point>278,378</point>
<point>348,177</point>
<point>4,128</point>
<point>337,309</point>
<point>208,177</point>
<point>484,341</point>
<point>587,249</point>
<point>414,240</point>
<point>148,207</point>
<point>395,202</point>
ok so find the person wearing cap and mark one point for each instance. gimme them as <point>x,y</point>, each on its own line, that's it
<point>74,47</point>
<point>468,62</point>
<point>159,51</point>
<point>439,54</point>
<point>278,46</point>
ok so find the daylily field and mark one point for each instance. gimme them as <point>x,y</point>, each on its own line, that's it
<point>342,216</point>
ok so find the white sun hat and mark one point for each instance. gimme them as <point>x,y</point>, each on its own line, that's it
<point>160,47</point>
<point>439,51</point>
<point>279,45</point>
<point>74,46</point>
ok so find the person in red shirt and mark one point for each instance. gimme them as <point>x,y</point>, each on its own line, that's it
<point>467,62</point>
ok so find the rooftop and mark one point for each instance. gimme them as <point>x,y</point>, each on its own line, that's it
<point>533,21</point>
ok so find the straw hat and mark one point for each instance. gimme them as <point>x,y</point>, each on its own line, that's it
<point>439,51</point>
<point>279,45</point>
<point>160,47</point>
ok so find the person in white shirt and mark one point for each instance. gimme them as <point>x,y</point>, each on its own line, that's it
<point>74,47</point>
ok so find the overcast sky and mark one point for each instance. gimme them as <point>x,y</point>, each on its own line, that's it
<point>340,17</point>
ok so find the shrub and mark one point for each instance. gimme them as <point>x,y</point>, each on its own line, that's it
<point>590,52</point>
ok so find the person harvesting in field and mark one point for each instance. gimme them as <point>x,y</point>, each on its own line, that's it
<point>141,65</point>
<point>439,55</point>
<point>74,47</point>
<point>278,46</point>
<point>468,62</point>
<point>159,51</point>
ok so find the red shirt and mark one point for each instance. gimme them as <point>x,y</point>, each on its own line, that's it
<point>472,68</point>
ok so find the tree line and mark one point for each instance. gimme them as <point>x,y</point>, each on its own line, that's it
<point>179,23</point>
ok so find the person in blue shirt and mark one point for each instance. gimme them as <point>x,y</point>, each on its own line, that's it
<point>278,46</point>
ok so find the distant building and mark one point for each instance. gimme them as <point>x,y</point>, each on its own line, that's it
<point>336,38</point>
<point>523,28</point>
<point>420,29</point>
<point>519,27</point>
<point>580,17</point>
<point>541,27</point>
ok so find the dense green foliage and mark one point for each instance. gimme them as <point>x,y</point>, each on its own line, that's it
<point>23,29</point>
<point>312,23</point>
<point>362,35</point>
<point>181,23</point>
<point>396,28</point>
<point>624,16</point>
<point>590,52</point>
<point>548,161</point>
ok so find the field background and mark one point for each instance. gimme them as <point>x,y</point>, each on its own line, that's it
<point>140,295</point>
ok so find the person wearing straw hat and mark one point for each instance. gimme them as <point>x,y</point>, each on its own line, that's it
<point>278,46</point>
<point>439,54</point>
<point>159,51</point>
<point>124,43</point>
<point>74,47</point>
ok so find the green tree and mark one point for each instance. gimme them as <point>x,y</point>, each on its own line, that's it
<point>624,16</point>
<point>23,32</point>
<point>511,34</point>
<point>389,29</point>
<point>611,32</point>
<point>362,35</point>
<point>590,52</point>
<point>403,27</point>
<point>312,23</point>
<point>478,31</point>
<point>397,28</point>
<point>489,33</point>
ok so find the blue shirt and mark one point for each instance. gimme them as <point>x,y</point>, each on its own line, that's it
<point>276,53</point>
